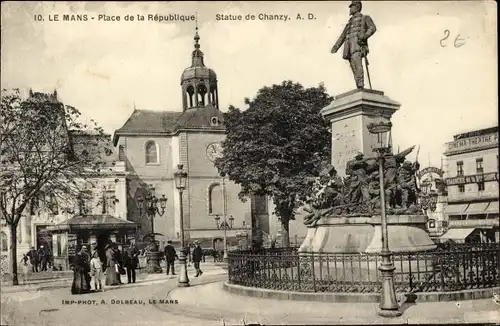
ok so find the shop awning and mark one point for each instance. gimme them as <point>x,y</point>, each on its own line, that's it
<point>492,207</point>
<point>477,208</point>
<point>457,234</point>
<point>93,222</point>
<point>457,209</point>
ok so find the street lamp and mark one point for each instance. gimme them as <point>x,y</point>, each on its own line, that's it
<point>388,303</point>
<point>149,206</point>
<point>180,183</point>
<point>224,226</point>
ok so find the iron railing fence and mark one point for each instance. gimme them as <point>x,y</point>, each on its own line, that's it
<point>446,268</point>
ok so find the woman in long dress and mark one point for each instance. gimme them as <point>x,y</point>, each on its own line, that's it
<point>119,261</point>
<point>111,266</point>
<point>81,270</point>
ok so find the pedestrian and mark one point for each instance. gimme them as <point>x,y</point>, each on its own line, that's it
<point>81,269</point>
<point>197,257</point>
<point>50,260</point>
<point>26,266</point>
<point>131,262</point>
<point>214,254</point>
<point>119,262</point>
<point>87,258</point>
<point>170,256</point>
<point>111,266</point>
<point>33,256</point>
<point>42,258</point>
<point>96,270</point>
<point>188,252</point>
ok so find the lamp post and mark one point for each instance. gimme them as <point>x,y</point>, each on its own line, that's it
<point>224,226</point>
<point>180,183</point>
<point>388,304</point>
<point>149,206</point>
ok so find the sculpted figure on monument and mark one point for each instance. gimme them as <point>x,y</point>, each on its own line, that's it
<point>407,183</point>
<point>327,196</point>
<point>374,190</point>
<point>355,39</point>
<point>392,162</point>
<point>359,193</point>
<point>357,170</point>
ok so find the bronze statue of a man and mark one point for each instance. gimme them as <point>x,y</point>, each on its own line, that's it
<point>355,39</point>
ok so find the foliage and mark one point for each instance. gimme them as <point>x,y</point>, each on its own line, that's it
<point>44,149</point>
<point>275,146</point>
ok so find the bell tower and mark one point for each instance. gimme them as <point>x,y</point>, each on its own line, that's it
<point>198,82</point>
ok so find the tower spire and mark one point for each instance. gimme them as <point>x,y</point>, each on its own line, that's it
<point>197,57</point>
<point>196,36</point>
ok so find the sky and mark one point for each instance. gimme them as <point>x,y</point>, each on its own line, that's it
<point>104,68</point>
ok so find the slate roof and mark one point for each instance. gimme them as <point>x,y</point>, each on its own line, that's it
<point>169,122</point>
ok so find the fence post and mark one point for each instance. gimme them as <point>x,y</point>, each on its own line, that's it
<point>410,275</point>
<point>313,272</point>
<point>299,285</point>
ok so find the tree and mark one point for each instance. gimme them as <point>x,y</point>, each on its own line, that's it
<point>277,145</point>
<point>41,152</point>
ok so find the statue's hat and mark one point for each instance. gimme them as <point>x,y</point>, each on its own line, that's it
<point>356,3</point>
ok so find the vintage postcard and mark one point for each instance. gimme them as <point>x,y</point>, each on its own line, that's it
<point>249,163</point>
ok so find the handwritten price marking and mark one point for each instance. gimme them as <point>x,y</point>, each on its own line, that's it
<point>457,43</point>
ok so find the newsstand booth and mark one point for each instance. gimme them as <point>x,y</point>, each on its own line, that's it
<point>93,231</point>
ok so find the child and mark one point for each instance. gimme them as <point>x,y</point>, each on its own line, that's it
<point>96,268</point>
<point>26,267</point>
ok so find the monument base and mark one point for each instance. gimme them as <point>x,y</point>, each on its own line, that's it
<point>407,233</point>
<point>349,114</point>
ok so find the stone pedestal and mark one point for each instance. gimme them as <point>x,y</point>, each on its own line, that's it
<point>407,233</point>
<point>349,114</point>
<point>361,239</point>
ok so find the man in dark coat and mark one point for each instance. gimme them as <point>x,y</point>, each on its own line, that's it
<point>170,256</point>
<point>33,256</point>
<point>197,257</point>
<point>355,39</point>
<point>42,258</point>
<point>131,261</point>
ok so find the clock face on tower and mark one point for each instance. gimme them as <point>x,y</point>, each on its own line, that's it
<point>214,151</point>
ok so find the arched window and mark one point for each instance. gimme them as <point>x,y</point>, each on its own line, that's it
<point>151,152</point>
<point>215,202</point>
<point>4,242</point>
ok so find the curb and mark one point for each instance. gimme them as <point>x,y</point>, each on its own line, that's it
<point>227,317</point>
<point>56,283</point>
<point>463,295</point>
<point>187,312</point>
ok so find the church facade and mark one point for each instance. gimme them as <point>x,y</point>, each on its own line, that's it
<point>154,143</point>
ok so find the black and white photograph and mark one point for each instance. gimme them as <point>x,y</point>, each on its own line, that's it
<point>249,163</point>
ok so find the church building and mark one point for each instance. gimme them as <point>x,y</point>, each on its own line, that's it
<point>154,143</point>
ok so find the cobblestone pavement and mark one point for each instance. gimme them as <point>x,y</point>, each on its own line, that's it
<point>128,304</point>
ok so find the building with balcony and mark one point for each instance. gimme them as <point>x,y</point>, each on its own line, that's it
<point>471,176</point>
